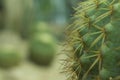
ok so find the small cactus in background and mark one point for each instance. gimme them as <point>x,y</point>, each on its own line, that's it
<point>9,50</point>
<point>94,38</point>
<point>42,45</point>
<point>18,19</point>
<point>40,27</point>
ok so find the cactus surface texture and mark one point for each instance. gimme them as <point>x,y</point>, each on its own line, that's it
<point>94,38</point>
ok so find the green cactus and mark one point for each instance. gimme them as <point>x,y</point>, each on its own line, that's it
<point>42,49</point>
<point>40,27</point>
<point>94,40</point>
<point>9,58</point>
<point>10,54</point>
<point>42,45</point>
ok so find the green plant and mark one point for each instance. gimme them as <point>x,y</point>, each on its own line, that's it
<point>94,40</point>
<point>9,58</point>
<point>42,45</point>
<point>10,54</point>
<point>40,27</point>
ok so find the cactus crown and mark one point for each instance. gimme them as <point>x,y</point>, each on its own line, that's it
<point>94,38</point>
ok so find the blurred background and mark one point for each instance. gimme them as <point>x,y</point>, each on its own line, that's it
<point>31,34</point>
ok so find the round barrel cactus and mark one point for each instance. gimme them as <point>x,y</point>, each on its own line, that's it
<point>94,38</point>
<point>9,50</point>
<point>42,45</point>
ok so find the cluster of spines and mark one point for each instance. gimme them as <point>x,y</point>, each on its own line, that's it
<point>91,38</point>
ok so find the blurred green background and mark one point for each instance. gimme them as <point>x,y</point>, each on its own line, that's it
<point>31,32</point>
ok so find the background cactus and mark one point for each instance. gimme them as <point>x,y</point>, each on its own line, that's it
<point>94,40</point>
<point>42,45</point>
<point>10,54</point>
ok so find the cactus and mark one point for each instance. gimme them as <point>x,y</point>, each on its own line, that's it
<point>94,40</point>
<point>10,54</point>
<point>42,45</point>
<point>40,27</point>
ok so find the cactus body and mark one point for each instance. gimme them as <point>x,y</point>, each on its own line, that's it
<point>42,45</point>
<point>95,40</point>
<point>42,49</point>
<point>10,54</point>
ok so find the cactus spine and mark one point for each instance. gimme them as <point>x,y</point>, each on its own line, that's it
<point>94,37</point>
